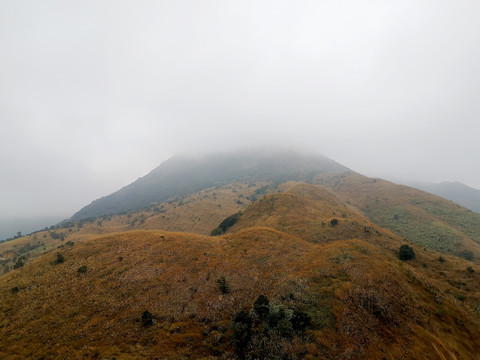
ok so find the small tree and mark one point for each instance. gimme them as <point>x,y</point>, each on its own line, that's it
<point>406,252</point>
<point>147,318</point>
<point>59,259</point>
<point>19,263</point>
<point>261,307</point>
<point>223,285</point>
<point>242,329</point>
<point>300,320</point>
<point>334,222</point>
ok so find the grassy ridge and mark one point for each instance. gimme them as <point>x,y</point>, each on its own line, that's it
<point>363,302</point>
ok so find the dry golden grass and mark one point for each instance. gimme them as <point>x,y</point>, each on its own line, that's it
<point>363,301</point>
<point>199,213</point>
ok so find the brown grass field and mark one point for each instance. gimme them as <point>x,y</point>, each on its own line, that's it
<point>364,303</point>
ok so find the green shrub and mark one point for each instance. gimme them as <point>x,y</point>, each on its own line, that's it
<point>261,307</point>
<point>226,224</point>
<point>334,222</point>
<point>406,252</point>
<point>300,320</point>
<point>19,263</point>
<point>147,318</point>
<point>82,269</point>
<point>242,329</point>
<point>217,231</point>
<point>60,259</point>
<point>223,285</point>
<point>272,333</point>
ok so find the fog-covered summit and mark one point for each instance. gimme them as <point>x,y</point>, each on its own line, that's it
<point>182,175</point>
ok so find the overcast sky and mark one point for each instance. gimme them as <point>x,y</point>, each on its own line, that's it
<point>94,94</point>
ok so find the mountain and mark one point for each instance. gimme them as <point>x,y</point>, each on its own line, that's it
<point>454,191</point>
<point>181,176</point>
<point>304,264</point>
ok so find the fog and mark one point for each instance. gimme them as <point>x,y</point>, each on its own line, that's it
<point>94,94</point>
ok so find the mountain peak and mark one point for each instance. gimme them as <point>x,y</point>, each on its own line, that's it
<point>185,174</point>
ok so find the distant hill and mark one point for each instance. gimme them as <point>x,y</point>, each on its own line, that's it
<point>454,191</point>
<point>10,227</point>
<point>182,176</point>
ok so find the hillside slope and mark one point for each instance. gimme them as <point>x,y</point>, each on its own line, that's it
<point>421,218</point>
<point>309,212</point>
<point>198,213</point>
<point>363,302</point>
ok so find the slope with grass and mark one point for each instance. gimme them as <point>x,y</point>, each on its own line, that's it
<point>309,212</point>
<point>362,301</point>
<point>419,217</point>
<point>198,213</point>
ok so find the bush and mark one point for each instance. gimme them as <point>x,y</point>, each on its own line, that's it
<point>276,315</point>
<point>242,329</point>
<point>261,307</point>
<point>82,269</point>
<point>19,263</point>
<point>300,320</point>
<point>270,333</point>
<point>334,222</point>
<point>147,318</point>
<point>226,224</point>
<point>406,252</point>
<point>59,259</point>
<point>223,285</point>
